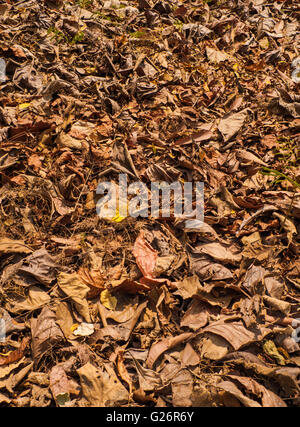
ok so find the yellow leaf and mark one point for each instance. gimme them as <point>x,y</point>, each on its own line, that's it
<point>90,70</point>
<point>205,87</point>
<point>74,327</point>
<point>235,66</point>
<point>24,105</point>
<point>271,350</point>
<point>108,300</point>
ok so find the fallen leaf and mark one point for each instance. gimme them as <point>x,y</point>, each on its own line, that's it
<point>231,123</point>
<point>77,291</point>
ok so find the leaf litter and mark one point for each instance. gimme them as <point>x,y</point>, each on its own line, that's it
<point>142,311</point>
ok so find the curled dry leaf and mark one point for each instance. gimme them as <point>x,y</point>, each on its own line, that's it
<point>145,256</point>
<point>159,348</point>
<point>15,355</point>
<point>268,398</point>
<point>206,269</point>
<point>218,252</point>
<point>196,315</point>
<point>93,279</point>
<point>182,389</point>
<point>236,333</point>
<point>189,357</point>
<point>233,390</point>
<point>149,380</point>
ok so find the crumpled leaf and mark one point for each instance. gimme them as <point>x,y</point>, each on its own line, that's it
<point>149,380</point>
<point>84,329</point>
<point>41,266</point>
<point>206,269</point>
<point>287,102</point>
<point>188,356</point>
<point>108,300</point>
<point>93,279</point>
<point>271,350</point>
<point>188,287</point>
<point>214,347</point>
<point>197,315</point>
<point>218,252</point>
<point>10,324</point>
<point>15,355</point>
<point>27,77</point>
<point>232,389</point>
<point>182,389</point>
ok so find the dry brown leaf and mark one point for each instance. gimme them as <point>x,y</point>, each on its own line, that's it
<point>159,348</point>
<point>197,315</point>
<point>15,355</point>
<point>77,291</point>
<point>218,252</point>
<point>41,266</point>
<point>214,347</point>
<point>45,333</point>
<point>149,380</point>
<point>268,398</point>
<point>91,384</point>
<point>217,56</point>
<point>123,373</point>
<point>206,269</point>
<point>145,256</point>
<point>93,279</point>
<point>65,318</point>
<point>231,123</point>
<point>278,304</point>
<point>188,287</point>
<point>61,386</point>
<point>9,246</point>
<point>188,356</point>
<point>236,333</point>
<point>232,389</point>
<point>36,298</point>
<point>182,389</point>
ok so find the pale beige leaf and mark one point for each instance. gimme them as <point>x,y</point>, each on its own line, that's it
<point>231,123</point>
<point>77,291</point>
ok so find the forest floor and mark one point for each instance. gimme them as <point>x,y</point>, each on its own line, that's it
<point>146,311</point>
